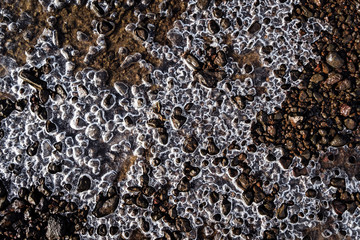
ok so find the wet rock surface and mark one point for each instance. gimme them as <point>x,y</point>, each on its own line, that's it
<point>179,120</point>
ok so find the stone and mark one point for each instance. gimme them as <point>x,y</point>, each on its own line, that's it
<point>183,225</point>
<point>203,4</point>
<point>32,149</point>
<point>348,122</point>
<point>225,206</point>
<point>338,182</point>
<point>84,184</point>
<point>184,185</point>
<point>282,211</point>
<point>310,193</point>
<point>178,121</point>
<point>54,168</point>
<point>339,141</point>
<point>248,197</point>
<point>213,26</point>
<point>141,201</point>
<point>105,207</point>
<point>214,197</point>
<point>190,145</point>
<point>339,206</point>
<point>102,231</point>
<point>254,28</point>
<point>316,78</point>
<point>334,60</point>
<point>259,194</point>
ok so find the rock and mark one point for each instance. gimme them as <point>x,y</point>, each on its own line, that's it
<point>50,126</point>
<point>32,149</point>
<point>20,104</point>
<point>264,211</point>
<point>344,85</point>
<point>213,26</point>
<point>316,78</point>
<point>259,194</point>
<point>128,199</point>
<point>44,96</point>
<point>3,196</point>
<point>339,141</point>
<point>225,206</point>
<point>108,101</point>
<point>205,79</point>
<point>192,62</point>
<point>220,59</point>
<point>339,206</point>
<point>58,146</point>
<point>84,184</point>
<point>145,226</point>
<point>270,157</point>
<point>148,191</point>
<point>248,197</point>
<point>105,206</point>
<point>93,131</point>
<point>121,88</point>
<point>60,91</point>
<point>299,171</point>
<point>190,145</point>
<point>128,121</point>
<point>184,185</point>
<point>311,193</point>
<point>295,119</point>
<point>178,121</point>
<point>6,108</point>
<point>282,211</point>
<point>41,113</point>
<point>156,215</point>
<point>294,218</point>
<point>348,122</point>
<point>225,23</point>
<point>345,110</point>
<point>334,60</point>
<point>254,28</point>
<point>155,123</point>
<point>56,227</point>
<point>212,149</point>
<point>163,136</point>
<point>214,197</point>
<point>333,78</point>
<point>102,231</point>
<point>54,168</point>
<point>243,181</point>
<point>183,225</point>
<point>203,4</point>
<point>338,182</point>
<point>173,212</point>
<point>285,162</point>
<point>239,102</point>
<point>141,33</point>
<point>141,201</point>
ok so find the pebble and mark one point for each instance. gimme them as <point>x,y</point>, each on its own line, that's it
<point>282,211</point>
<point>334,60</point>
<point>337,182</point>
<point>339,141</point>
<point>84,184</point>
<point>106,206</point>
<point>190,145</point>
